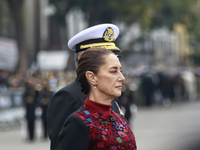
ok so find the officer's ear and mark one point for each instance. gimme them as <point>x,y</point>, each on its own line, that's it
<point>90,77</point>
<point>79,55</point>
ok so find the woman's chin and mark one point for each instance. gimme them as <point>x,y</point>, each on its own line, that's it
<point>117,94</point>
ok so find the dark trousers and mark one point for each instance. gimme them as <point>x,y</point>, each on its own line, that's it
<point>31,129</point>
<point>44,122</point>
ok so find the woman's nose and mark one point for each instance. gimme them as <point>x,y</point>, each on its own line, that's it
<point>121,77</point>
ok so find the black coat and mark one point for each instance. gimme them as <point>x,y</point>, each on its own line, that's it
<point>45,95</point>
<point>62,104</point>
<point>30,102</point>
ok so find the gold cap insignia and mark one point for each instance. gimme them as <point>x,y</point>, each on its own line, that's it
<point>108,35</point>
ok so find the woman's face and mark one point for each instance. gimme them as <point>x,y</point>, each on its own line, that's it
<point>109,78</point>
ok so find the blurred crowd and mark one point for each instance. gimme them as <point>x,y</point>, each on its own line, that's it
<point>37,90</point>
<point>149,88</point>
<point>145,88</point>
<point>56,79</point>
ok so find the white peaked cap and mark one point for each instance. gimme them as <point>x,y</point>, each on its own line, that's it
<point>102,35</point>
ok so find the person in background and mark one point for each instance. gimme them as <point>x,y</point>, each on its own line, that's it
<point>30,103</point>
<point>70,98</point>
<point>4,80</point>
<point>127,99</point>
<point>45,95</point>
<point>96,125</point>
<point>147,88</point>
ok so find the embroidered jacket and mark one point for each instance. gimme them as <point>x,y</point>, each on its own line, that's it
<point>96,127</point>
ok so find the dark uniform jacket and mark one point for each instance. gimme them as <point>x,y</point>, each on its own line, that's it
<point>62,104</point>
<point>30,102</point>
<point>96,127</point>
<point>45,95</point>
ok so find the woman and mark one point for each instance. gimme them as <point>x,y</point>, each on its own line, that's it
<point>95,126</point>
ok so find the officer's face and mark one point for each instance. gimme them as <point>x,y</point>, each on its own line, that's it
<point>109,77</point>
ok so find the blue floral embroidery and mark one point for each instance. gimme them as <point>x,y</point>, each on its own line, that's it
<point>89,120</point>
<point>86,112</point>
<point>116,126</point>
<point>122,122</point>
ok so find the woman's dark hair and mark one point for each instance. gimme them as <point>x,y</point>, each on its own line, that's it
<point>91,60</point>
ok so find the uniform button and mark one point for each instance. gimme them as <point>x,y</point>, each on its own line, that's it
<point>121,135</point>
<point>112,119</point>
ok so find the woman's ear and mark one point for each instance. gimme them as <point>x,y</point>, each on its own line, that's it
<point>90,77</point>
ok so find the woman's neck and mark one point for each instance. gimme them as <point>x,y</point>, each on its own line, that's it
<point>98,107</point>
<point>103,99</point>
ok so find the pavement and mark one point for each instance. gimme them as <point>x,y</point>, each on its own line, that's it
<point>176,127</point>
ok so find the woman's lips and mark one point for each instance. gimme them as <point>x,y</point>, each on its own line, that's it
<point>119,86</point>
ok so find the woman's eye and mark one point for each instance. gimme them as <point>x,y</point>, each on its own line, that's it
<point>113,71</point>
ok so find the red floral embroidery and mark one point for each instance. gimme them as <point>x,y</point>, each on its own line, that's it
<point>96,115</point>
<point>104,116</point>
<point>104,132</point>
<point>113,147</point>
<point>82,117</point>
<point>100,144</point>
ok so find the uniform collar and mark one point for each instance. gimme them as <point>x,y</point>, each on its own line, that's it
<point>98,107</point>
<point>77,80</point>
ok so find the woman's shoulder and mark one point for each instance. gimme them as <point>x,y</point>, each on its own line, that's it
<point>82,113</point>
<point>75,118</point>
<point>120,117</point>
